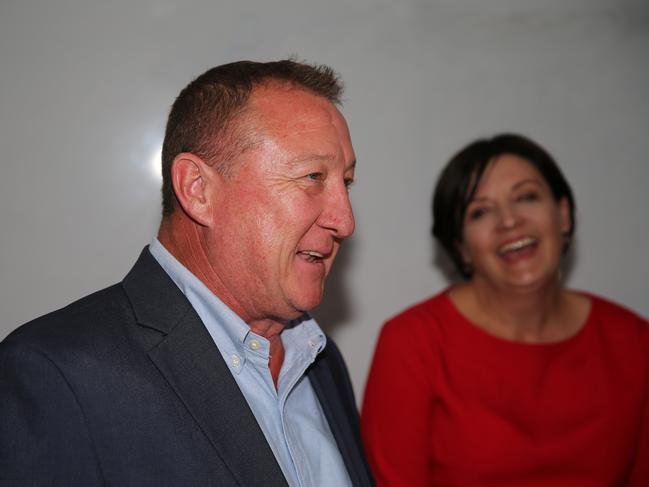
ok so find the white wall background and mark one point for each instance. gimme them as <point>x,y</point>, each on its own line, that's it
<point>85,87</point>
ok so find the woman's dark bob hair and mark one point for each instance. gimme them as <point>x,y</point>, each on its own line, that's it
<point>460,178</point>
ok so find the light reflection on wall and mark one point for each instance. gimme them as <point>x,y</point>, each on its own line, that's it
<point>155,163</point>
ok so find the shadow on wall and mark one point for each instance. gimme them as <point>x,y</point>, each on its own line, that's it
<point>336,307</point>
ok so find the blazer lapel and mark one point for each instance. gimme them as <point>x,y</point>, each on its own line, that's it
<point>194,368</point>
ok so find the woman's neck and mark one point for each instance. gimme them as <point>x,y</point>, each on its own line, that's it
<point>542,315</point>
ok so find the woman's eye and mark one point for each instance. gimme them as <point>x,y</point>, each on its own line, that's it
<point>531,196</point>
<point>477,213</point>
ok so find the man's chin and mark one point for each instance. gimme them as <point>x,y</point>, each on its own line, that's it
<point>306,302</point>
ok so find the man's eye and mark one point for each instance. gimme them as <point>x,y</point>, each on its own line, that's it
<point>315,176</point>
<point>349,183</point>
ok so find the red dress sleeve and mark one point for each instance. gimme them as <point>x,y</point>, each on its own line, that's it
<point>397,406</point>
<point>640,473</point>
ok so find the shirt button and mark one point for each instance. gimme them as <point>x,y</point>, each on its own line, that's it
<point>254,344</point>
<point>236,361</point>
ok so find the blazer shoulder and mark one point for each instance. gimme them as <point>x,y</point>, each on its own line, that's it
<point>79,322</point>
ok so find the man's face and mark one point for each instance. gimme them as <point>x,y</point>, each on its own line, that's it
<point>280,217</point>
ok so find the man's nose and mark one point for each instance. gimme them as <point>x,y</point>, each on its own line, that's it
<point>338,215</point>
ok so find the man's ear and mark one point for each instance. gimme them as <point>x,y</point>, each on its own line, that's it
<point>191,179</point>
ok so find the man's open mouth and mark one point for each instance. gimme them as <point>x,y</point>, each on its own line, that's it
<point>311,255</point>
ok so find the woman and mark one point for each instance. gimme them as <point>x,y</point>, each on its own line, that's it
<point>508,379</point>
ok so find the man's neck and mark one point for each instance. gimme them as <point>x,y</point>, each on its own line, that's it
<point>185,245</point>
<point>182,239</point>
<point>271,330</point>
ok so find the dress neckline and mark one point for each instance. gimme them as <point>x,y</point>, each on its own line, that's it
<point>478,333</point>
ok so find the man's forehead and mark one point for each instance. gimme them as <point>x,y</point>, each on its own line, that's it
<point>307,123</point>
<point>281,88</point>
<point>288,102</point>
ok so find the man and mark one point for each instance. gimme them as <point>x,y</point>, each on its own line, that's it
<point>202,367</point>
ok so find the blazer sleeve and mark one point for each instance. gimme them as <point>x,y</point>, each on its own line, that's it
<point>43,436</point>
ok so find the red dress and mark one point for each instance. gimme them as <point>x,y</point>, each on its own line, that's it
<point>447,404</point>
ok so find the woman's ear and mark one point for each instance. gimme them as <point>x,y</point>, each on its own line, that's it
<point>462,251</point>
<point>565,220</point>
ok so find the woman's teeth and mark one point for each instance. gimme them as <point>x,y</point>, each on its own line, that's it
<point>517,245</point>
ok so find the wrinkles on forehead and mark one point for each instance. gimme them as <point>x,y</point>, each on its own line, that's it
<point>287,107</point>
<point>303,125</point>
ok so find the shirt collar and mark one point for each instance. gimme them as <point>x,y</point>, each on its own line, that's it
<point>302,336</point>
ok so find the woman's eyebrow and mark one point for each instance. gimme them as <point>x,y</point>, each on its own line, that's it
<point>525,181</point>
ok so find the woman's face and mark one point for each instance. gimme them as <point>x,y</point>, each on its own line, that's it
<point>513,229</point>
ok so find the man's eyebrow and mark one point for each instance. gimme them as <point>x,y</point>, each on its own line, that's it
<point>318,157</point>
<point>310,157</point>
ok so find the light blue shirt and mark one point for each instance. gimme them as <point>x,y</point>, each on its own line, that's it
<point>290,416</point>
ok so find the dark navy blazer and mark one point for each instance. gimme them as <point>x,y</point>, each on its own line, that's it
<point>125,387</point>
